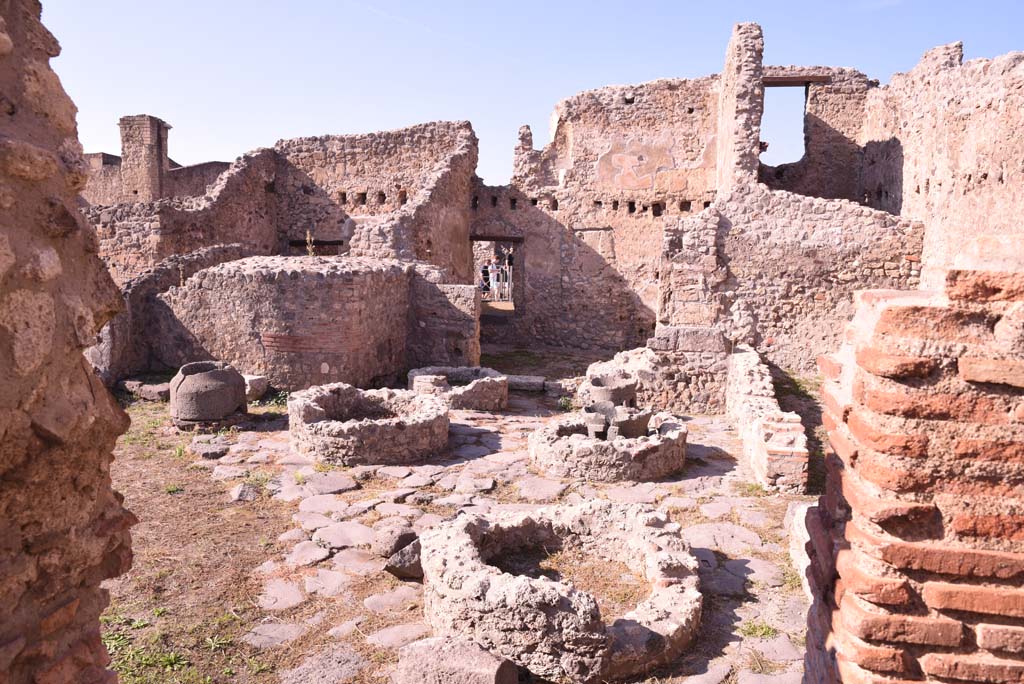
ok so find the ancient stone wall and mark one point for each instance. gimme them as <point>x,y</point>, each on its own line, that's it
<point>444,321</point>
<point>774,442</point>
<point>299,321</point>
<point>771,268</point>
<point>740,104</point>
<point>831,165</point>
<point>393,194</point>
<point>942,144</point>
<point>239,208</point>
<point>590,207</point>
<point>191,181</point>
<point>126,344</point>
<point>144,172</point>
<point>924,405</point>
<point>63,528</point>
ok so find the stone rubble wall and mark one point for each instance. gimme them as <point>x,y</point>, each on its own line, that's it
<point>942,144</point>
<point>238,208</point>
<point>774,442</point>
<point>832,163</point>
<point>393,194</point>
<point>63,530</point>
<point>443,326</point>
<point>190,181</point>
<point>924,405</point>
<point>126,344</point>
<point>299,321</point>
<point>741,102</point>
<point>415,181</point>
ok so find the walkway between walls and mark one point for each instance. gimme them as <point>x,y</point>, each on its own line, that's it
<point>340,612</point>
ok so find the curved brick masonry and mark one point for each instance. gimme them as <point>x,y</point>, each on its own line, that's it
<point>463,387</point>
<point>567,449</point>
<point>343,425</point>
<point>551,628</point>
<point>924,407</point>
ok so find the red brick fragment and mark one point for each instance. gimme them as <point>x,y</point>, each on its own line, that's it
<point>974,599</point>
<point>1010,527</point>
<point>1007,638</point>
<point>868,656</point>
<point>865,432</point>
<point>882,590</point>
<point>830,366</point>
<point>877,362</point>
<point>978,667</point>
<point>1009,452</point>
<point>944,560</point>
<point>876,625</point>
<point>985,286</point>
<point>998,371</point>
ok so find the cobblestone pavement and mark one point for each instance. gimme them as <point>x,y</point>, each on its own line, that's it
<point>753,625</point>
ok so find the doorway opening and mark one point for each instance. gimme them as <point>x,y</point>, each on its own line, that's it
<point>498,273</point>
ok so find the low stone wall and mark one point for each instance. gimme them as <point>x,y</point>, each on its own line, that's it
<point>924,406</point>
<point>551,628</point>
<point>773,440</point>
<point>299,321</point>
<point>339,424</point>
<point>463,387</point>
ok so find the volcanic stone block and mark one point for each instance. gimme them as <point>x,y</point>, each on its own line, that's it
<point>206,392</point>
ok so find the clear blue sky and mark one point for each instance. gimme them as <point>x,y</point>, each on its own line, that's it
<point>232,75</point>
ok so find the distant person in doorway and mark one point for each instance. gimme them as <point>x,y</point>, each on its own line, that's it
<point>492,276</point>
<point>485,279</point>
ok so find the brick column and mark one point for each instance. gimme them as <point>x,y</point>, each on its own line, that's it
<point>925,414</point>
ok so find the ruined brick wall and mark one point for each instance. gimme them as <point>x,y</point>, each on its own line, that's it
<point>590,209</point>
<point>126,344</point>
<point>63,528</point>
<point>300,321</point>
<point>924,405</point>
<point>943,145</point>
<point>741,102</point>
<point>833,116</point>
<point>774,442</point>
<point>444,321</point>
<point>392,194</point>
<point>191,181</point>
<point>240,207</point>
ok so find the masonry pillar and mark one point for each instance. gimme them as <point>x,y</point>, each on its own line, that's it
<point>143,157</point>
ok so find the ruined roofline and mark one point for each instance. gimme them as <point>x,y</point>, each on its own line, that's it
<point>461,126</point>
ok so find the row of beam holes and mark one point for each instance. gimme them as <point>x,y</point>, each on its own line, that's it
<point>513,203</point>
<point>361,198</point>
<point>657,208</point>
